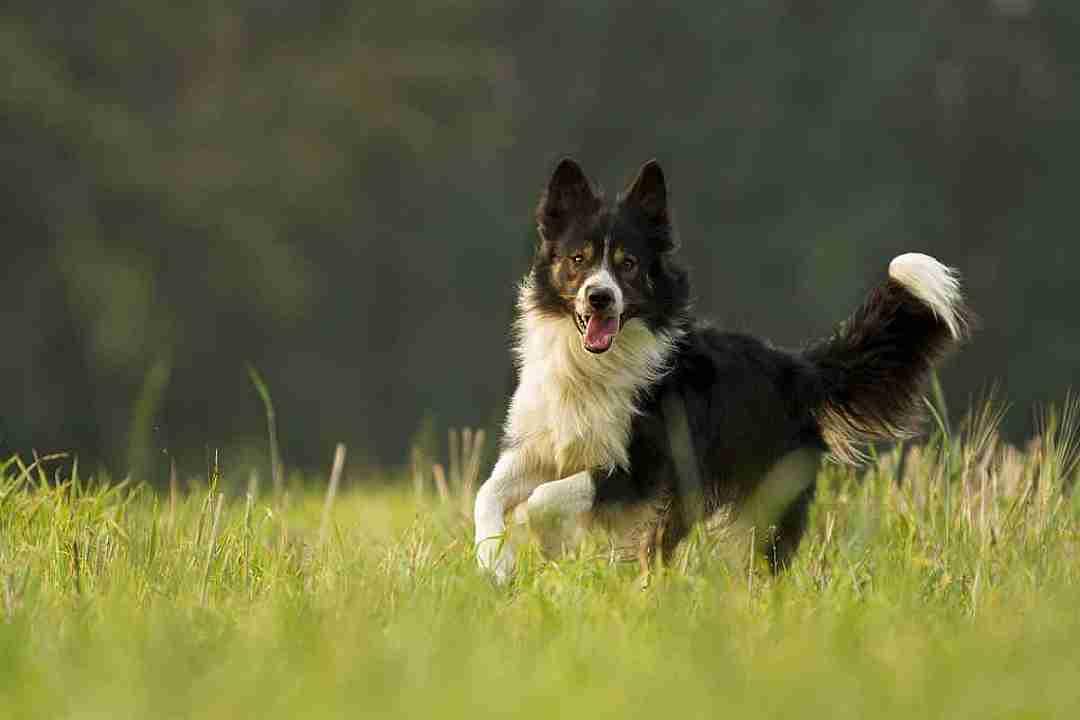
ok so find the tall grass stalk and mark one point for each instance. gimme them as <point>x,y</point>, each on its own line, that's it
<point>277,470</point>
<point>331,491</point>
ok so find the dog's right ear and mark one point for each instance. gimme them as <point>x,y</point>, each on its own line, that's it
<point>568,193</point>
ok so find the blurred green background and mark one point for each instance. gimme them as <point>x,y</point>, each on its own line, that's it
<point>341,196</point>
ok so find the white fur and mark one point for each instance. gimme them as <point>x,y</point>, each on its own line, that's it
<point>571,412</point>
<point>935,284</point>
<point>558,512</point>
<point>572,408</point>
<point>510,483</point>
<point>563,498</point>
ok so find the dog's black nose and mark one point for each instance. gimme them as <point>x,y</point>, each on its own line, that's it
<point>601,299</point>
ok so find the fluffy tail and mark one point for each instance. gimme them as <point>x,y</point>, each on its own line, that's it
<point>872,371</point>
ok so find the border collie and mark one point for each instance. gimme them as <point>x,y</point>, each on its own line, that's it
<point>626,407</point>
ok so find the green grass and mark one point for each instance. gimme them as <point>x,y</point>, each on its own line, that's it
<point>947,587</point>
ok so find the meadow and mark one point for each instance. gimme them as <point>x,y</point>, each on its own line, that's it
<point>941,579</point>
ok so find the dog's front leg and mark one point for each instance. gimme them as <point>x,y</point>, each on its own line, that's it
<point>510,483</point>
<point>562,500</point>
<point>555,510</point>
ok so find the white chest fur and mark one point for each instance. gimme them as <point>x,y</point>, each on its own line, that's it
<point>572,410</point>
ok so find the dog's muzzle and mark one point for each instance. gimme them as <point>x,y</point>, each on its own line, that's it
<point>598,316</point>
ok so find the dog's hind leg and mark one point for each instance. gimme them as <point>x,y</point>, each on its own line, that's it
<point>790,529</point>
<point>778,507</point>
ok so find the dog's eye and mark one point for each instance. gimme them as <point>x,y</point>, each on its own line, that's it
<point>578,259</point>
<point>629,264</point>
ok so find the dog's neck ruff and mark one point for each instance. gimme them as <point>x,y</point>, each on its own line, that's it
<point>572,409</point>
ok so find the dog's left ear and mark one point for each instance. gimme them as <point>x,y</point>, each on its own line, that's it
<point>648,196</point>
<point>648,192</point>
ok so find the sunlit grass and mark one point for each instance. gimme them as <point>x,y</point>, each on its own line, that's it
<point>940,581</point>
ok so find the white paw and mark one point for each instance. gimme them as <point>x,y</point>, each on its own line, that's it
<point>496,556</point>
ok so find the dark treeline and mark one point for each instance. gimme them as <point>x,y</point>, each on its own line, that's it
<point>341,197</point>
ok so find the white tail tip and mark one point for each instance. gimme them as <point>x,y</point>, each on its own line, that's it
<point>935,284</point>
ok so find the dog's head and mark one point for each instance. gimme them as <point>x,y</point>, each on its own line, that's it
<point>602,265</point>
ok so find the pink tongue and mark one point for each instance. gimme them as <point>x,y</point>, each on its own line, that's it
<point>600,332</point>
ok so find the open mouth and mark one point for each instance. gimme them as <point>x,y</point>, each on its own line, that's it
<point>597,331</point>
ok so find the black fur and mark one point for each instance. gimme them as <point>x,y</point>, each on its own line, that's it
<point>871,372</point>
<point>747,404</point>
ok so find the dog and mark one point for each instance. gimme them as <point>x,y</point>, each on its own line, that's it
<point>626,406</point>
